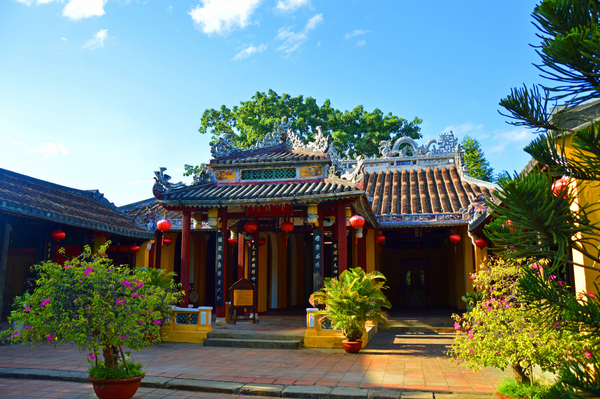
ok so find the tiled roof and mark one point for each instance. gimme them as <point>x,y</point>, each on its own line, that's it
<point>26,196</point>
<point>278,154</point>
<point>149,207</point>
<point>421,191</point>
<point>212,194</point>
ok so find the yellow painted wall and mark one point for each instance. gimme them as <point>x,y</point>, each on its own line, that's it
<point>167,257</point>
<point>142,258</point>
<point>371,248</point>
<point>282,276</point>
<point>586,195</point>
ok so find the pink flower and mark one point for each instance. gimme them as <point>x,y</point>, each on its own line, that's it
<point>50,337</point>
<point>497,352</point>
<point>456,326</point>
<point>91,355</point>
<point>157,322</point>
<point>135,295</point>
<point>590,294</point>
<point>67,266</point>
<point>490,308</point>
<point>149,311</point>
<point>471,335</point>
<point>27,308</point>
<point>126,283</point>
<point>14,334</point>
<point>472,277</point>
<point>127,315</point>
<point>123,337</point>
<point>470,350</point>
<point>588,354</point>
<point>560,282</point>
<point>140,322</point>
<point>44,303</point>
<point>508,306</point>
<point>552,277</point>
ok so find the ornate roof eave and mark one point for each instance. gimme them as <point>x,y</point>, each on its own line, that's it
<point>421,220</point>
<point>363,207</point>
<point>258,201</point>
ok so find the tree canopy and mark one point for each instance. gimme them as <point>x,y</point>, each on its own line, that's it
<point>356,132</point>
<point>538,220</point>
<point>475,161</point>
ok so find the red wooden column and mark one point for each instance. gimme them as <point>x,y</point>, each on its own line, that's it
<point>362,249</point>
<point>241,257</point>
<point>186,237</point>
<point>221,310</point>
<point>340,222</point>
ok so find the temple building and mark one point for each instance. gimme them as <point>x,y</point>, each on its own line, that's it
<point>285,215</point>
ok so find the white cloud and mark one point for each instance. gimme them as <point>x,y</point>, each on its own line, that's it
<point>97,41</point>
<point>17,142</point>
<point>79,9</point>
<point>248,52</point>
<point>476,131</point>
<point>509,140</point>
<point>313,22</point>
<point>292,40</point>
<point>28,2</point>
<point>49,149</point>
<point>64,39</point>
<point>356,32</point>
<point>360,43</point>
<point>223,16</point>
<point>170,9</point>
<point>291,5</point>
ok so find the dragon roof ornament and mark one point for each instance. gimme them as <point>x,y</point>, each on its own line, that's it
<point>162,182</point>
<point>281,135</point>
<point>446,144</point>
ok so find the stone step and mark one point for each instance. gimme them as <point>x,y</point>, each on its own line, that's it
<point>433,322</point>
<point>248,336</point>
<point>254,343</point>
<point>417,330</point>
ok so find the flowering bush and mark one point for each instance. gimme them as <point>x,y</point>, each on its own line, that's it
<point>95,305</point>
<point>503,330</point>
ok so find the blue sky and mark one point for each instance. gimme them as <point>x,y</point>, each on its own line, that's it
<point>98,94</point>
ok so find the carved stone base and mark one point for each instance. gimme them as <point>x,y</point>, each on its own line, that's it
<point>220,323</point>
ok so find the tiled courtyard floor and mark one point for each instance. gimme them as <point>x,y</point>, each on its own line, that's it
<point>391,361</point>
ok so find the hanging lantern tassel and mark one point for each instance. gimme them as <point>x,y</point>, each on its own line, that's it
<point>380,238</point>
<point>455,238</point>
<point>287,228</point>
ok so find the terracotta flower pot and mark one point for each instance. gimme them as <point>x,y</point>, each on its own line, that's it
<point>351,346</point>
<point>116,389</point>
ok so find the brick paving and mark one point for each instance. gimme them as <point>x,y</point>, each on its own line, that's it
<point>391,361</point>
<point>30,389</point>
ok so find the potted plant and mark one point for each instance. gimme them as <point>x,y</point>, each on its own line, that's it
<point>353,300</point>
<point>101,308</point>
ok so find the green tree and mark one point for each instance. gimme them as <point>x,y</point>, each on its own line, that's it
<point>356,132</point>
<point>477,166</point>
<point>541,224</point>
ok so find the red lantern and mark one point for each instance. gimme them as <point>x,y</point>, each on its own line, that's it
<point>481,243</point>
<point>560,185</point>
<point>250,227</point>
<point>58,235</point>
<point>163,225</point>
<point>287,226</point>
<point>134,249</point>
<point>232,241</point>
<point>380,238</point>
<point>454,238</point>
<point>167,241</point>
<point>357,221</point>
<point>262,242</point>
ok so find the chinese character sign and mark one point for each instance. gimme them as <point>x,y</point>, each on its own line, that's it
<point>335,264</point>
<point>253,262</point>
<point>317,260</point>
<point>220,270</point>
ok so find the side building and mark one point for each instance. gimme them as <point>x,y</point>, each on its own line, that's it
<point>35,213</point>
